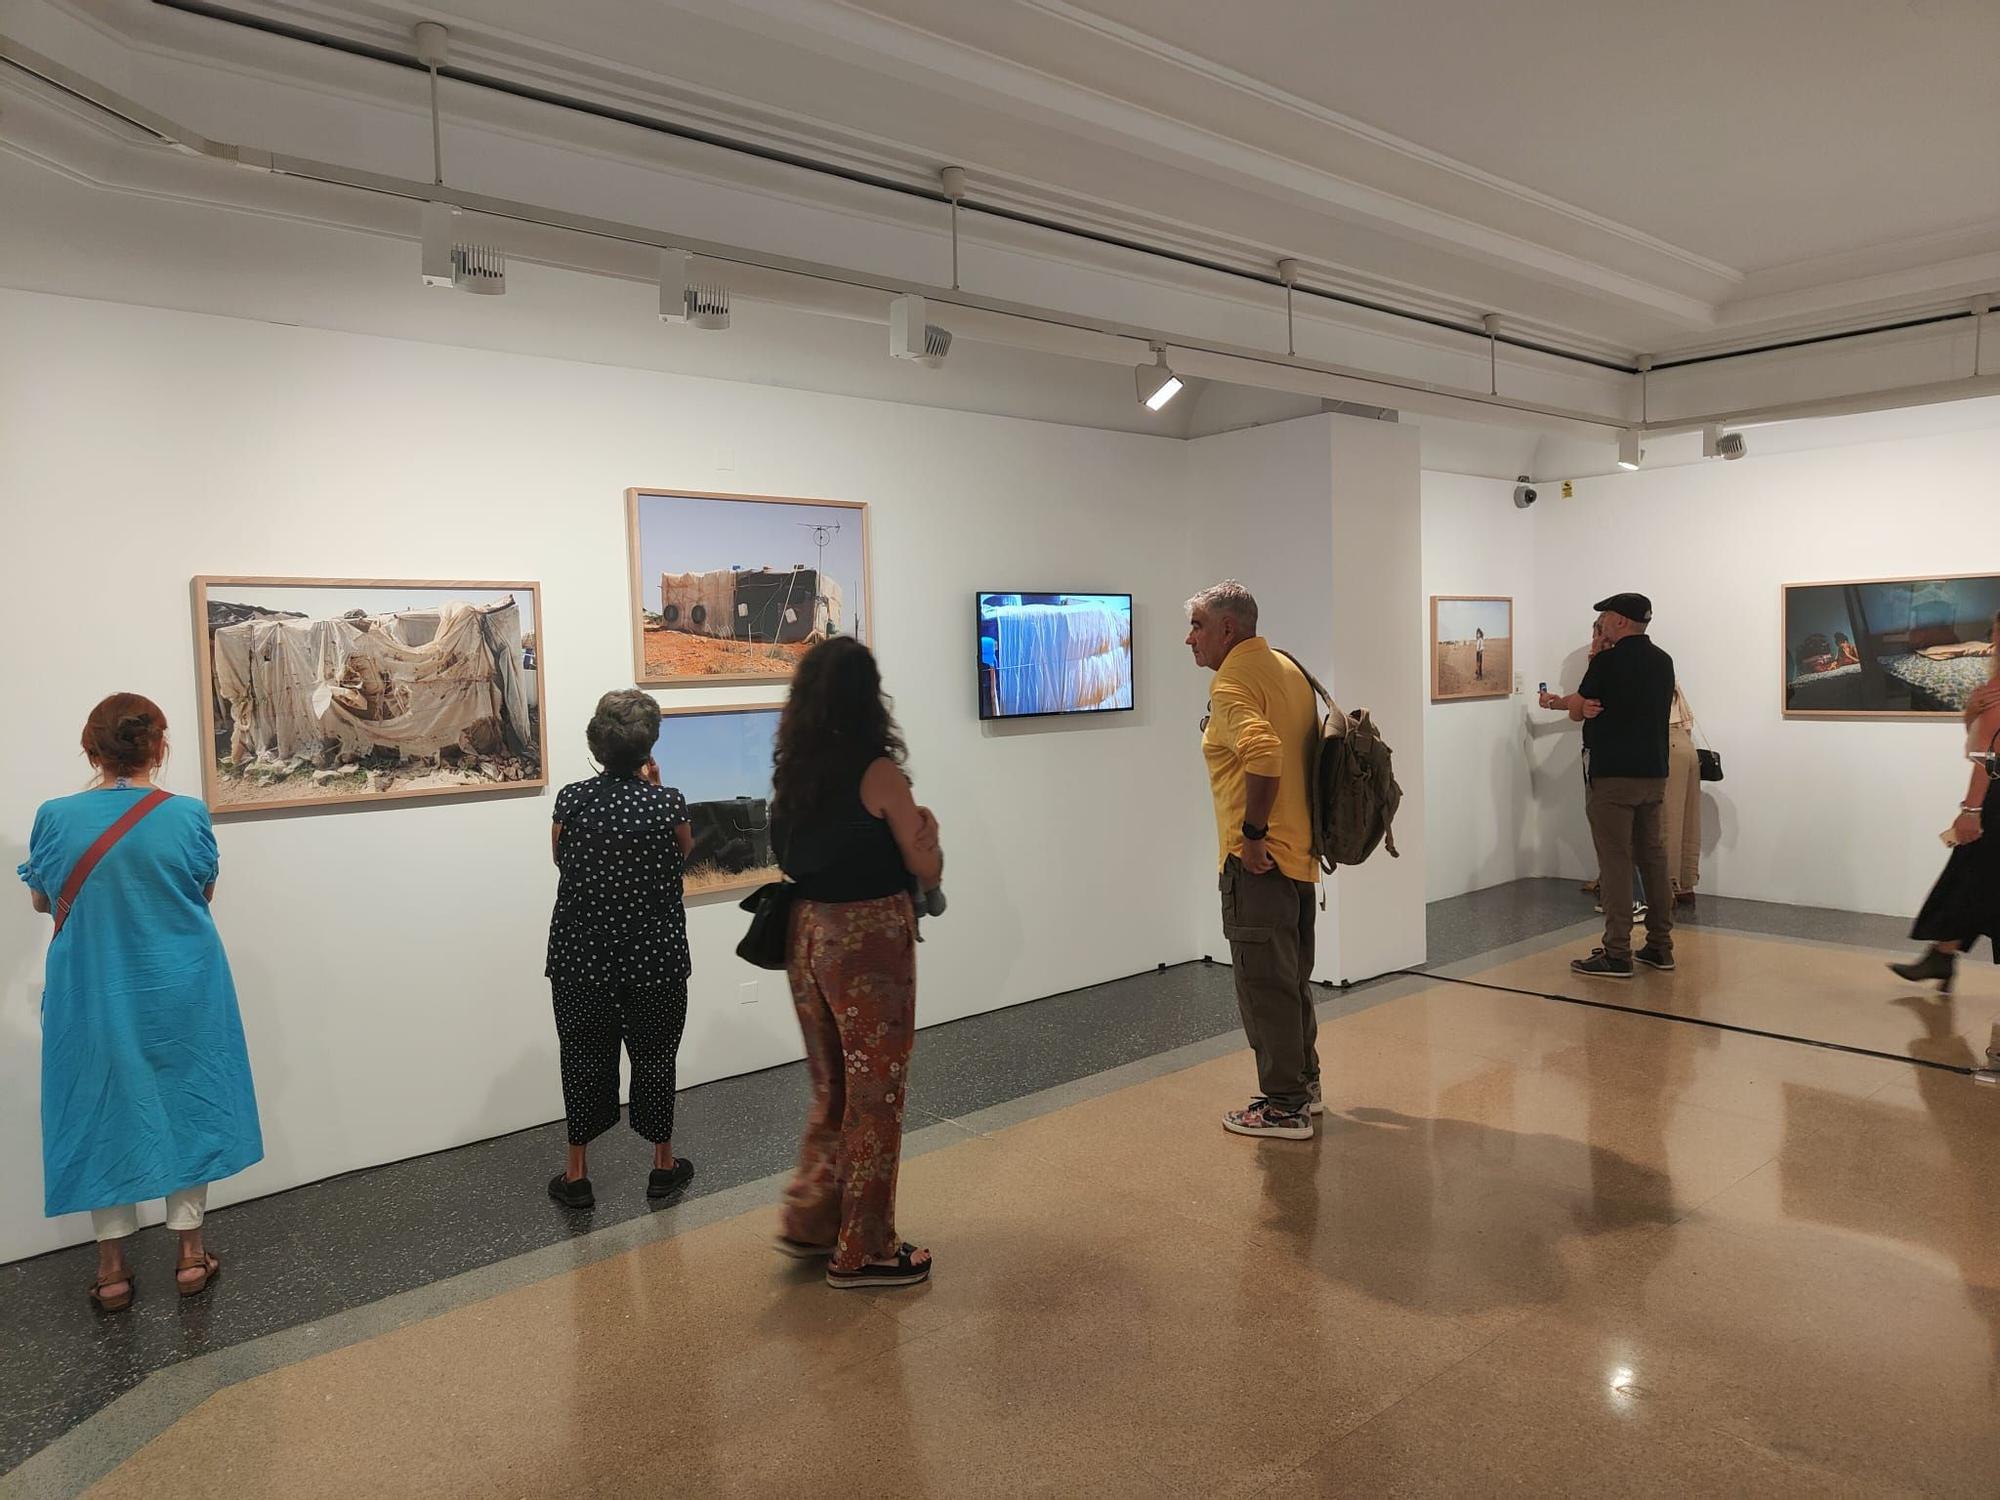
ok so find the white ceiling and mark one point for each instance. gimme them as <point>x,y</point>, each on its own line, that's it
<point>1623,177</point>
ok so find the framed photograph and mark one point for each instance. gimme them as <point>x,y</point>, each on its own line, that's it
<point>720,759</point>
<point>1472,648</point>
<point>358,690</point>
<point>1896,648</point>
<point>736,588</point>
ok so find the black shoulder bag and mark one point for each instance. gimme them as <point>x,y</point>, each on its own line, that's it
<point>768,943</point>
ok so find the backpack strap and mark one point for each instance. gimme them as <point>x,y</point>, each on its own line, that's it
<point>80,871</point>
<point>1325,697</point>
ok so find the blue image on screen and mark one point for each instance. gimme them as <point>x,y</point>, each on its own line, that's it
<point>1054,654</point>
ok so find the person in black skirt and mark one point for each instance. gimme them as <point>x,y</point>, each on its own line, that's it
<point>1964,905</point>
<point>618,960</point>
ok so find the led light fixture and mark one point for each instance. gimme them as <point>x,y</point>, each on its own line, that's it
<point>451,259</point>
<point>910,337</point>
<point>1157,384</point>
<point>1630,454</point>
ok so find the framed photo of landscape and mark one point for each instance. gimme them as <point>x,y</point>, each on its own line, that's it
<point>736,588</point>
<point>720,760</point>
<point>1888,648</point>
<point>322,691</point>
<point>1472,647</point>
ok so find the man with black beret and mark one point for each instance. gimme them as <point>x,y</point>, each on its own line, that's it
<point>1625,701</point>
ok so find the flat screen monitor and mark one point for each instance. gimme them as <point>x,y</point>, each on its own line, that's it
<point>1045,654</point>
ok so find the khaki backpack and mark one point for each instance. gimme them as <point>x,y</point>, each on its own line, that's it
<point>1351,787</point>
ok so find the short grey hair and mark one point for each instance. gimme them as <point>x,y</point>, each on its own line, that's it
<point>622,731</point>
<point>1228,598</point>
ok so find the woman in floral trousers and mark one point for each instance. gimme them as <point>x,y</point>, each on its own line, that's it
<point>850,835</point>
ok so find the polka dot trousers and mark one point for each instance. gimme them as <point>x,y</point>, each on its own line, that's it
<point>591,1021</point>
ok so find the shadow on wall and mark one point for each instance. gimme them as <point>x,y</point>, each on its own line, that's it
<point>24,936</point>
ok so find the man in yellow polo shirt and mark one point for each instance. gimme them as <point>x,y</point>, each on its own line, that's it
<point>1262,721</point>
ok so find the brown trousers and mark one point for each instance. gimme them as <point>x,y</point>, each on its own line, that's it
<point>854,984</point>
<point>1683,811</point>
<point>1268,920</point>
<point>1627,824</point>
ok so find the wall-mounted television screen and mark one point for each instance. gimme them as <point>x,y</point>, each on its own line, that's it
<point>1054,654</point>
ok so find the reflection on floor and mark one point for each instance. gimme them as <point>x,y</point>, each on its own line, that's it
<point>1537,1247</point>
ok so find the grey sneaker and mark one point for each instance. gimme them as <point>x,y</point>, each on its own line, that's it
<point>1653,958</point>
<point>1601,965</point>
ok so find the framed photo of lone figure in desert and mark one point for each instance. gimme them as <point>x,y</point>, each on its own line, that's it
<point>337,690</point>
<point>1472,648</point>
<point>736,588</point>
<point>720,759</point>
<point>1903,648</point>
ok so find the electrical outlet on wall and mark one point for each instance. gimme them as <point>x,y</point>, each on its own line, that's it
<point>1520,682</point>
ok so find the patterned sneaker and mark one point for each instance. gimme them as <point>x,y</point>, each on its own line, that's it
<point>1601,965</point>
<point>1262,1117</point>
<point>1317,1103</point>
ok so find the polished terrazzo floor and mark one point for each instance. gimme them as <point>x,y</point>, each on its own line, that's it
<point>1538,1247</point>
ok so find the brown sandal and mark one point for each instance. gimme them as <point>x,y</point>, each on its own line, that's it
<point>118,1303</point>
<point>210,1269</point>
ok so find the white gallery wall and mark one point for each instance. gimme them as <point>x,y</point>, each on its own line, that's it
<point>389,958</point>
<point>1841,814</point>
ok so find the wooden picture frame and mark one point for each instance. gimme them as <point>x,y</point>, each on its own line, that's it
<point>715,824</point>
<point>734,657</point>
<point>522,746</point>
<point>1882,650</point>
<point>1471,669</point>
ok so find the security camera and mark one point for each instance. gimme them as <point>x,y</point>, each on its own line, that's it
<point>1525,494</point>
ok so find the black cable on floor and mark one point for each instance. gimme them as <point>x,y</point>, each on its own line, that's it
<point>1664,1015</point>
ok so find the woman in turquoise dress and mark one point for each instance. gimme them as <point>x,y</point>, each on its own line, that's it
<point>146,1087</point>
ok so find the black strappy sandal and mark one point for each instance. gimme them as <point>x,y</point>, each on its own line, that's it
<point>903,1272</point>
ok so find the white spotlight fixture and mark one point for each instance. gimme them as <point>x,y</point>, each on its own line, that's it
<point>451,259</point>
<point>1157,384</point>
<point>910,337</point>
<point>1630,454</point>
<point>683,300</point>
<point>1715,443</point>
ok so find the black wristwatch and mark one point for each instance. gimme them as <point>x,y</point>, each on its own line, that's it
<point>1255,834</point>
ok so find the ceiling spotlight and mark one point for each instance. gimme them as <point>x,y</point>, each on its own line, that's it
<point>1630,454</point>
<point>451,259</point>
<point>1157,384</point>
<point>910,337</point>
<point>1715,443</point>
<point>683,300</point>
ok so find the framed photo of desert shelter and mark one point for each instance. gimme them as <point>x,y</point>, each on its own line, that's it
<point>720,760</point>
<point>1472,648</point>
<point>736,588</point>
<point>1903,648</point>
<point>340,690</point>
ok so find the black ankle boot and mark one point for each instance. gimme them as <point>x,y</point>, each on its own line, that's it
<point>1935,964</point>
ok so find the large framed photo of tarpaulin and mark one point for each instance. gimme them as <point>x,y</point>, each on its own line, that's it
<point>1472,647</point>
<point>736,588</point>
<point>720,760</point>
<point>320,691</point>
<point>1889,648</point>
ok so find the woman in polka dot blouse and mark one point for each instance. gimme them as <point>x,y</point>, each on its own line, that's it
<point>618,961</point>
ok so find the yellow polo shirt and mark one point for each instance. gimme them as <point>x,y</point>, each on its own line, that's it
<point>1263,718</point>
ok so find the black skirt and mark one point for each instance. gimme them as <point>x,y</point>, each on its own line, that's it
<point>1964,905</point>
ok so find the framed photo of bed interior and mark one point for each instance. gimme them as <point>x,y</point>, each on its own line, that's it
<point>1897,648</point>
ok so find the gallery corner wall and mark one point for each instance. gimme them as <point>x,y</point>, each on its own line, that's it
<point>389,957</point>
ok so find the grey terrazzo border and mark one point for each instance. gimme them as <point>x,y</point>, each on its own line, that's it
<point>100,1443</point>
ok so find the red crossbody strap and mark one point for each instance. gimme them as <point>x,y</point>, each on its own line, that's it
<point>105,841</point>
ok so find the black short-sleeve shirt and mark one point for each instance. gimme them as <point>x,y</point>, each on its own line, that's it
<point>619,915</point>
<point>1634,680</point>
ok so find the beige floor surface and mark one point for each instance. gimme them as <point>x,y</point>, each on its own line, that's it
<point>1536,1248</point>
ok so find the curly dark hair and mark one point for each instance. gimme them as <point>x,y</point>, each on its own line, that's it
<point>836,720</point>
<point>622,730</point>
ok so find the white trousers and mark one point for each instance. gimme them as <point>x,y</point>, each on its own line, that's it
<point>185,1210</point>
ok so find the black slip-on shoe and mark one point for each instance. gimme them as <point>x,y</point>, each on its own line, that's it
<point>1601,965</point>
<point>1653,958</point>
<point>572,1194</point>
<point>672,1181</point>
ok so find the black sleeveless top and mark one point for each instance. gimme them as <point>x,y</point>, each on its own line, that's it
<point>845,853</point>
